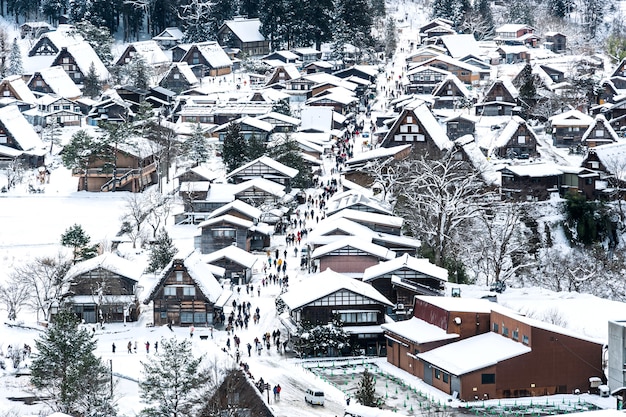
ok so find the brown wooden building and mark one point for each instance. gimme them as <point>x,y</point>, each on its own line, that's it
<point>103,289</point>
<point>351,255</point>
<point>236,396</point>
<point>186,293</point>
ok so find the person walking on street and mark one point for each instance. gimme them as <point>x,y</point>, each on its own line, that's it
<point>130,347</point>
<point>156,346</point>
<point>249,346</point>
<point>113,347</point>
<point>278,391</point>
<point>147,347</point>
<point>191,329</point>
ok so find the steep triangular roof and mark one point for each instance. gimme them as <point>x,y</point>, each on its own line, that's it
<point>110,262</point>
<point>600,122</point>
<point>247,30</point>
<point>234,254</point>
<point>84,56</point>
<point>361,243</point>
<point>18,127</point>
<point>59,82</point>
<point>425,118</point>
<point>421,265</point>
<point>268,162</point>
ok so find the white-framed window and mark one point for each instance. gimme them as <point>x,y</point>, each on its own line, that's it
<point>599,133</point>
<point>169,291</point>
<point>420,138</point>
<point>179,276</point>
<point>409,119</point>
<point>499,98</point>
<point>594,164</point>
<point>189,291</point>
<point>521,139</point>
<point>176,76</point>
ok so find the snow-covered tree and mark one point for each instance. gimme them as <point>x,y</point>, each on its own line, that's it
<point>80,151</point>
<point>439,198</point>
<point>162,252</point>
<point>76,238</point>
<point>98,37</point>
<point>91,83</point>
<point>53,9</point>
<point>287,152</point>
<point>52,133</point>
<point>15,60</point>
<point>196,18</point>
<point>137,72</point>
<point>195,148</point>
<point>390,38</point>
<point>234,148</point>
<point>72,379</point>
<point>14,294</point>
<point>327,340</point>
<point>173,381</point>
<point>5,50</point>
<point>366,390</point>
<point>282,107</point>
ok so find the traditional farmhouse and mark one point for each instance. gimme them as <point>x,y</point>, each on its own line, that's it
<point>103,289</point>
<point>516,140</point>
<point>351,255</point>
<point>180,77</point>
<point>245,35</point>
<point>52,109</point>
<point>600,132</point>
<point>568,128</point>
<point>499,100</point>
<point>360,307</point>
<point>460,125</point>
<point>555,42</point>
<point>451,93</point>
<point>50,43</point>
<point>34,29</point>
<point>18,139</point>
<point>530,182</point>
<point>237,396</point>
<point>186,294</point>
<point>237,263</point>
<point>14,86</point>
<point>77,59</point>
<point>150,51</point>
<point>54,80</point>
<point>208,59</point>
<point>169,38</point>
<point>263,167</point>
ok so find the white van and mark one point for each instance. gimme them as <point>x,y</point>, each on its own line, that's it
<point>314,397</point>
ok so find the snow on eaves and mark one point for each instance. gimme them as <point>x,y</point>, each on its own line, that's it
<point>326,283</point>
<point>361,243</point>
<point>233,253</point>
<point>418,331</point>
<point>487,171</point>
<point>247,30</point>
<point>84,56</point>
<point>59,82</point>
<point>110,262</point>
<point>240,206</point>
<point>18,127</point>
<point>376,153</point>
<point>421,265</point>
<point>473,353</point>
<point>226,218</point>
<point>606,126</point>
<point>368,218</point>
<point>269,162</point>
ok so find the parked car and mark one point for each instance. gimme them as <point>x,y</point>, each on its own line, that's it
<point>314,397</point>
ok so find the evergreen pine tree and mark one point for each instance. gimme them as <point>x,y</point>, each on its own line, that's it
<point>390,38</point>
<point>76,238</point>
<point>173,381</point>
<point>282,107</point>
<point>52,132</point>
<point>287,152</point>
<point>98,37</point>
<point>196,147</point>
<point>163,251</point>
<point>527,90</point>
<point>91,82</point>
<point>234,148</point>
<point>256,148</point>
<point>66,369</point>
<point>366,390</point>
<point>81,149</point>
<point>484,11</point>
<point>15,60</point>
<point>137,72</point>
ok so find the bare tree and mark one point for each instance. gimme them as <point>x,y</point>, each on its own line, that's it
<point>45,280</point>
<point>389,174</point>
<point>160,208</point>
<point>137,209</point>
<point>440,198</point>
<point>14,295</point>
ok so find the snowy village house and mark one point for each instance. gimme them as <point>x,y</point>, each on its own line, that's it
<point>208,59</point>
<point>179,78</point>
<point>51,109</point>
<point>248,127</point>
<point>186,294</point>
<point>150,51</point>
<point>357,167</point>
<point>237,263</point>
<point>245,35</point>
<point>169,38</point>
<point>18,139</point>
<point>555,42</point>
<point>568,128</point>
<point>451,93</point>
<point>499,100</point>
<point>129,166</point>
<point>77,59</point>
<point>460,125</point>
<point>514,34</point>
<point>467,73</point>
<point>103,289</point>
<point>53,80</point>
<point>236,395</point>
<point>609,161</point>
<point>404,277</point>
<point>228,230</point>
<point>516,140</point>
<point>329,294</point>
<point>14,87</point>
<point>264,167</point>
<point>600,132</point>
<point>485,351</point>
<point>530,182</point>
<point>33,30</point>
<point>50,43</point>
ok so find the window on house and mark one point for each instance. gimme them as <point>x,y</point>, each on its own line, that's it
<point>505,331</point>
<point>488,378</point>
<point>186,317</point>
<point>224,233</point>
<point>199,318</point>
<point>437,374</point>
<point>420,138</point>
<point>599,133</point>
<point>163,314</point>
<point>594,164</point>
<point>39,83</point>
<point>499,98</point>
<point>525,339</point>
<point>445,377</point>
<point>176,76</point>
<point>521,139</point>
<point>409,119</point>
<point>390,342</point>
<point>179,276</point>
<point>169,291</point>
<point>189,291</point>
<point>496,328</point>
<point>515,335</point>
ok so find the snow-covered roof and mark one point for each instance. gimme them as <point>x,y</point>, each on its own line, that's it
<point>431,125</point>
<point>280,117</point>
<point>139,146</point>
<point>474,353</point>
<point>247,30</point>
<point>461,45</point>
<point>346,200</point>
<point>376,153</point>
<point>512,27</point>
<point>214,54</point>
<point>170,34</point>
<point>487,171</point>
<point>202,170</point>
<point>455,80</point>
<point>538,170</point>
<point>239,206</point>
<point>340,97</point>
<point>110,262</point>
<point>18,127</point>
<point>606,126</point>
<point>459,304</point>
<point>269,162</point>
<point>233,253</point>
<point>22,91</point>
<point>421,265</point>
<point>84,56</point>
<point>63,36</point>
<point>361,243</point>
<point>349,227</point>
<point>227,218</point>
<point>150,51</point>
<point>319,118</point>
<point>59,82</point>
<point>509,130</point>
<point>612,156</point>
<point>268,186</point>
<point>326,283</point>
<point>571,118</point>
<point>198,271</point>
<point>451,61</point>
<point>368,218</point>
<point>418,331</point>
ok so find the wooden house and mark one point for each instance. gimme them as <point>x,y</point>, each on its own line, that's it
<point>223,231</point>
<point>609,161</point>
<point>460,125</point>
<point>169,38</point>
<point>281,123</point>
<point>238,264</point>
<point>424,54</point>
<point>76,60</point>
<point>318,66</point>
<point>360,307</point>
<point>263,167</point>
<point>382,223</point>
<point>180,77</point>
<point>467,73</point>
<point>129,166</point>
<point>245,35</point>
<point>50,43</point>
<point>53,80</point>
<point>500,99</point>
<point>54,109</point>
<point>451,93</point>
<point>110,108</point>
<point>568,128</point>
<point>436,27</point>
<point>584,181</point>
<point>18,139</point>
<point>417,126</point>
<point>357,167</point>
<point>150,51</point>
<point>33,30</point>
<point>200,172</point>
<point>600,132</point>
<point>530,182</point>
<point>516,140</point>
<point>513,54</point>
<point>555,42</point>
<point>238,209</point>
<point>286,57</point>
<point>14,86</point>
<point>424,79</point>
<point>208,59</point>
<point>104,289</point>
<point>511,33</point>
<point>259,191</point>
<point>350,255</point>
<point>186,294</point>
<point>308,55</point>
<point>404,277</point>
<point>236,395</point>
<point>282,74</point>
<point>248,127</point>
<point>357,200</point>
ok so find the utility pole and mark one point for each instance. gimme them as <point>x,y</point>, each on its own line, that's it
<point>111,373</point>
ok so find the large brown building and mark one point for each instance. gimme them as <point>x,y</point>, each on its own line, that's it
<point>477,350</point>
